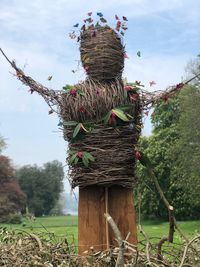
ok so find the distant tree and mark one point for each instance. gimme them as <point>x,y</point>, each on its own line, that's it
<point>42,186</point>
<point>2,144</point>
<point>12,199</point>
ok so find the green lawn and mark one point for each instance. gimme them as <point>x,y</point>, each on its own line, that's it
<point>66,226</point>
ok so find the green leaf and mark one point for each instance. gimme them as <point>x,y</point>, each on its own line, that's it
<point>81,92</point>
<point>125,107</point>
<point>125,94</point>
<point>76,160</point>
<point>107,117</point>
<point>72,158</point>
<point>83,127</point>
<point>85,160</point>
<point>72,151</point>
<point>120,114</point>
<point>128,115</point>
<point>77,129</point>
<point>145,161</point>
<point>89,156</point>
<point>70,123</point>
<point>67,87</point>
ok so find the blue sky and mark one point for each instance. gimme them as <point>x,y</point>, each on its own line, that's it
<point>35,34</point>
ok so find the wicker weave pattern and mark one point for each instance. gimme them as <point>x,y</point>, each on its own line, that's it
<point>114,158</point>
<point>102,54</point>
<point>99,99</point>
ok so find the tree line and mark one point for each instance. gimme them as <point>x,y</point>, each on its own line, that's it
<point>174,151</point>
<point>28,188</point>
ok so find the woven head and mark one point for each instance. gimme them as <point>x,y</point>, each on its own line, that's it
<point>102,53</point>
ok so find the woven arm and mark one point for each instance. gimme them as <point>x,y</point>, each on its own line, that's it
<point>148,99</point>
<point>50,96</point>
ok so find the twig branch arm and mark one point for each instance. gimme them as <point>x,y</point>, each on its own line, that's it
<point>50,96</point>
<point>150,98</point>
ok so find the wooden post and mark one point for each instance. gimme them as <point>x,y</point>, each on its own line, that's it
<point>91,221</point>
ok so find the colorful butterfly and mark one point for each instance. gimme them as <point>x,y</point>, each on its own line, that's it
<point>119,24</point>
<point>103,20</point>
<point>60,123</point>
<point>99,14</point>
<point>89,20</point>
<point>83,28</point>
<point>124,28</point>
<point>152,83</point>
<point>125,18</point>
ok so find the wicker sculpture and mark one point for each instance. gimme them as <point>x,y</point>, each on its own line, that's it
<point>101,122</point>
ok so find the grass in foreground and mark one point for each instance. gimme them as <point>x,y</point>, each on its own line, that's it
<point>66,226</point>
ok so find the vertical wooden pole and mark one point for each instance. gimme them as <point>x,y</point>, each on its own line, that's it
<point>122,210</point>
<point>92,229</point>
<point>107,211</point>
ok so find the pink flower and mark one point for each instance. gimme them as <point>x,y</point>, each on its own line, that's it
<point>179,85</point>
<point>82,109</point>
<point>126,56</point>
<point>152,83</point>
<point>73,92</point>
<point>112,118</point>
<point>79,154</point>
<point>133,97</point>
<point>137,154</point>
<point>128,88</point>
<point>138,82</point>
<point>86,68</point>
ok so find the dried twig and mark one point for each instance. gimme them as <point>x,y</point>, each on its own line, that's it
<point>186,249</point>
<point>120,258</point>
<point>50,96</point>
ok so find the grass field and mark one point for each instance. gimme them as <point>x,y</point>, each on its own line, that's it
<point>66,226</point>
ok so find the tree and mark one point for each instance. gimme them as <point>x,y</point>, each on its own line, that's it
<point>42,186</point>
<point>157,148</point>
<point>174,150</point>
<point>12,199</point>
<point>2,144</point>
<point>187,151</point>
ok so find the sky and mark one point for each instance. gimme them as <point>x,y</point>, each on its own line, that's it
<point>35,34</point>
